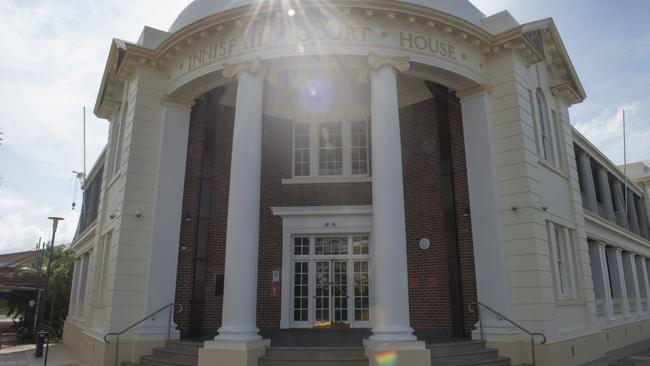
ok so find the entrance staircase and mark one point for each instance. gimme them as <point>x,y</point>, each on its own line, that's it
<point>465,353</point>
<point>175,353</point>
<point>458,353</point>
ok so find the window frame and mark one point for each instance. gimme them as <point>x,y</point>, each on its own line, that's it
<point>563,260</point>
<point>547,145</point>
<point>314,148</point>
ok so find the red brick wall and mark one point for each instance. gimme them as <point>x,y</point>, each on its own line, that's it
<point>423,196</point>
<point>420,152</point>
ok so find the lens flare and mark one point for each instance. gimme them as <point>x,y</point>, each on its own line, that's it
<point>316,95</point>
<point>387,358</point>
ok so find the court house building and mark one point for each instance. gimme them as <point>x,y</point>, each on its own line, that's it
<point>352,183</point>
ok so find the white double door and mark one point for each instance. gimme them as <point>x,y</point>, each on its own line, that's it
<point>330,281</point>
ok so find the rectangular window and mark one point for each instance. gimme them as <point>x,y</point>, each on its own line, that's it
<point>360,245</point>
<point>301,149</point>
<point>558,139</point>
<point>359,134</point>
<point>361,291</point>
<point>103,275</point>
<point>301,246</point>
<point>83,280</point>
<point>301,291</point>
<point>561,248</point>
<point>331,246</point>
<point>330,148</point>
<point>545,131</point>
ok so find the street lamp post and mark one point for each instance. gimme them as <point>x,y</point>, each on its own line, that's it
<point>41,306</point>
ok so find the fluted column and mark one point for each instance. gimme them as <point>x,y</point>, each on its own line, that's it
<point>644,226</point>
<point>642,276</point>
<point>242,234</point>
<point>587,182</point>
<point>601,277</point>
<point>615,261</point>
<point>644,271</point>
<point>619,204</point>
<point>392,321</point>
<point>632,217</point>
<point>605,194</point>
<point>632,281</point>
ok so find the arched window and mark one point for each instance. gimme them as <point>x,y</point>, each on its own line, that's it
<point>546,135</point>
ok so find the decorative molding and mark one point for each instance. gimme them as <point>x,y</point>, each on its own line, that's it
<point>326,180</point>
<point>322,210</point>
<point>566,91</point>
<point>232,71</point>
<point>376,62</point>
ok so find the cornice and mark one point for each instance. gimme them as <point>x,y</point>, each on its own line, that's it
<point>605,224</point>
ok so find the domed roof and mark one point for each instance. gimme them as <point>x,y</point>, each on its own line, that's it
<point>200,9</point>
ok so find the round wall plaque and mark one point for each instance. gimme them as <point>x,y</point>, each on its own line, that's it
<point>425,244</point>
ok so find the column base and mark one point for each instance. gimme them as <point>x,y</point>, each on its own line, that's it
<point>232,353</point>
<point>411,353</point>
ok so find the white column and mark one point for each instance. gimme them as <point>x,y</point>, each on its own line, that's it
<point>72,307</point>
<point>242,235</point>
<point>632,217</point>
<point>644,268</point>
<point>487,228</point>
<point>633,281</point>
<point>587,182</point>
<point>599,262</point>
<point>618,279</point>
<point>605,193</point>
<point>392,321</point>
<point>167,217</point>
<point>642,275</point>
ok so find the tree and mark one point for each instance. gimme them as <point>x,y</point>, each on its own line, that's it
<point>18,301</point>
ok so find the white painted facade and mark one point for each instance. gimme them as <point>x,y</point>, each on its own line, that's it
<point>536,247</point>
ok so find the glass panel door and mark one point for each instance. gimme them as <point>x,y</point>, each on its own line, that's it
<point>361,292</point>
<point>340,291</point>
<point>323,293</point>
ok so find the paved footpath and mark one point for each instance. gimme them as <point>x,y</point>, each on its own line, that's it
<point>635,355</point>
<point>23,355</point>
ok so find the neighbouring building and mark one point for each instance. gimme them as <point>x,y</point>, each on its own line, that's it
<point>372,174</point>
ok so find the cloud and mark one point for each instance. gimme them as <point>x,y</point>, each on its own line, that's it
<point>605,130</point>
<point>55,52</point>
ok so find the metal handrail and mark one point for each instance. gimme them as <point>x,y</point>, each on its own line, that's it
<point>500,316</point>
<point>171,307</point>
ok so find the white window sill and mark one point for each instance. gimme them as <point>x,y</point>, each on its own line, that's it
<point>325,180</point>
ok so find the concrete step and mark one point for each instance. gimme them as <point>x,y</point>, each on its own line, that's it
<point>314,352</point>
<point>158,361</point>
<point>464,357</point>
<point>184,346</point>
<point>497,361</point>
<point>312,362</point>
<point>316,356</point>
<point>177,355</point>
<point>446,348</point>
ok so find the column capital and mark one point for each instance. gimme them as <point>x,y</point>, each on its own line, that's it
<point>475,90</point>
<point>177,101</point>
<point>376,62</point>
<point>235,70</point>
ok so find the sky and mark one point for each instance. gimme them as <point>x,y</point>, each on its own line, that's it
<point>55,51</point>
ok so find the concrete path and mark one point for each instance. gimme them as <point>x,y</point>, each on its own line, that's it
<point>635,355</point>
<point>23,355</point>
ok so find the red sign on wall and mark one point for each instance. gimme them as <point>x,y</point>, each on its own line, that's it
<point>432,282</point>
